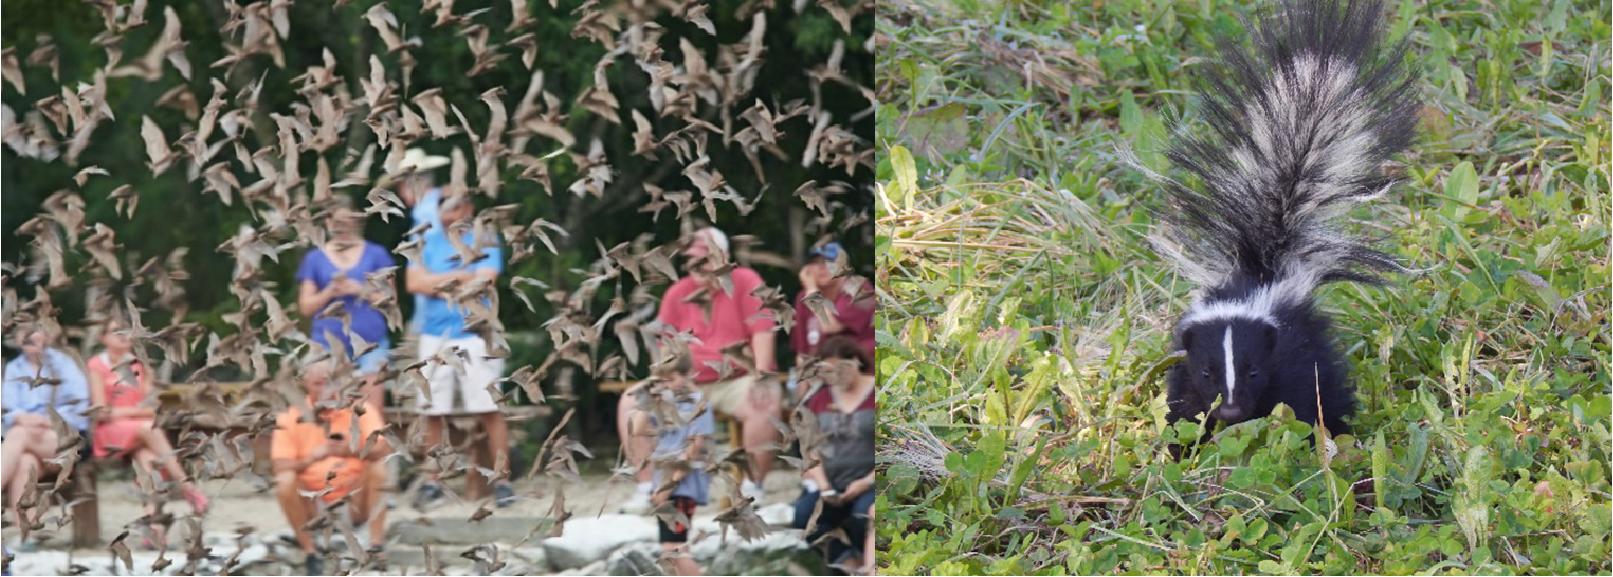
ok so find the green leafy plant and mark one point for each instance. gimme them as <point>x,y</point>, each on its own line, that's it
<point>1024,324</point>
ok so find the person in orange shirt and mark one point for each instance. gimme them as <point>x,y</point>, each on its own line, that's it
<point>317,463</point>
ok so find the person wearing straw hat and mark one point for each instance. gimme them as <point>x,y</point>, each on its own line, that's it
<point>455,357</point>
<point>417,188</point>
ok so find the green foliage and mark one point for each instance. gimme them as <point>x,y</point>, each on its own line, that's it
<point>1025,320</point>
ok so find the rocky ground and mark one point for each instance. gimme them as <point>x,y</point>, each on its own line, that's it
<point>249,528</point>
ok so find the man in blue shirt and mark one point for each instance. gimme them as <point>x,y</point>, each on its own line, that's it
<point>39,379</point>
<point>444,335</point>
<point>424,211</point>
<point>418,190</point>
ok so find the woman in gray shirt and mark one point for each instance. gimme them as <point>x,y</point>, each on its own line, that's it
<point>844,408</point>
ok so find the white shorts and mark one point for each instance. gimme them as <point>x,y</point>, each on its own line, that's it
<point>479,372</point>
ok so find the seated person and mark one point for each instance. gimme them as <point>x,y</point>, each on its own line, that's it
<point>39,379</point>
<point>315,454</point>
<point>728,315</point>
<point>680,429</point>
<point>844,481</point>
<point>126,429</point>
<point>852,313</point>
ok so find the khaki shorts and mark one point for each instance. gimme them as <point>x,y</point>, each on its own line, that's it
<point>728,396</point>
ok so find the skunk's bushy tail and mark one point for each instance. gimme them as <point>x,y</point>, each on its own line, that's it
<point>1299,128</point>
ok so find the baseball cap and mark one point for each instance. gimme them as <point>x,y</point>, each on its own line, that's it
<point>830,250</point>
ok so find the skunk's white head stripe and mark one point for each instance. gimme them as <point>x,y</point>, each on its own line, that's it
<point>1224,311</point>
<point>1232,374</point>
<point>1259,305</point>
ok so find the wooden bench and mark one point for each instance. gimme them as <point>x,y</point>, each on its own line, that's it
<point>461,427</point>
<point>87,513</point>
<point>173,395</point>
<point>183,396</point>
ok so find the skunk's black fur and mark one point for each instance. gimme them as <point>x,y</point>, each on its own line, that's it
<point>1299,129</point>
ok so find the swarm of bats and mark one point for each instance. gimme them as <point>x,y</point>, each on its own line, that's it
<point>701,97</point>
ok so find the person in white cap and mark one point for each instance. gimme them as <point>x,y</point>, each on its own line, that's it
<point>720,319</point>
<point>417,188</point>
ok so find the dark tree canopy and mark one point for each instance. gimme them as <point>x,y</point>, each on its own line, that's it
<point>57,48</point>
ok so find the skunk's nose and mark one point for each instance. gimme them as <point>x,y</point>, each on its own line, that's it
<point>1230,413</point>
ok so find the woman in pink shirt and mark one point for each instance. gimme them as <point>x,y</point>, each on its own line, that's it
<point>125,428</point>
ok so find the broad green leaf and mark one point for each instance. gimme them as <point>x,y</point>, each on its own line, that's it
<point>1593,98</point>
<point>996,412</point>
<point>938,132</point>
<point>1257,529</point>
<point>993,444</point>
<point>1131,115</point>
<point>1380,469</point>
<point>974,465</point>
<point>1462,186</point>
<point>907,176</point>
<point>1558,18</point>
<point>959,309</point>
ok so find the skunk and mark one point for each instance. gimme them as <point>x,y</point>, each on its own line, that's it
<point>1298,131</point>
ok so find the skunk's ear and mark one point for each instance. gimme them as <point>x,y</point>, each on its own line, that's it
<point>1187,340</point>
<point>1268,337</point>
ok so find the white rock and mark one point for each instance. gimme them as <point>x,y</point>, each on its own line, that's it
<point>778,514</point>
<point>47,563</point>
<point>534,556</point>
<point>783,540</point>
<point>596,568</point>
<point>635,559</point>
<point>779,553</point>
<point>57,562</point>
<point>591,540</point>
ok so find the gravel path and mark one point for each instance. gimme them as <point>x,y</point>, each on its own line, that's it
<point>236,507</point>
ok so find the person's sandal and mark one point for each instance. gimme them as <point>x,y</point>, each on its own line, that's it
<point>313,564</point>
<point>198,501</point>
<point>375,556</point>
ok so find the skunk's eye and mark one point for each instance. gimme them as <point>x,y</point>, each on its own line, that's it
<point>1253,372</point>
<point>1206,373</point>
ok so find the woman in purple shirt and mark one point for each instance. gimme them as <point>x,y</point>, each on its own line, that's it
<point>336,272</point>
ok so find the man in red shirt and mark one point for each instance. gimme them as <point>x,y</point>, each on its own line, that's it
<point>852,313</point>
<point>701,305</point>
